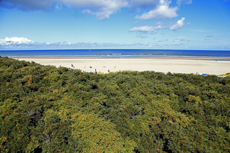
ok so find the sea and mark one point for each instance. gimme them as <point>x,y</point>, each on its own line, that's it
<point>116,53</point>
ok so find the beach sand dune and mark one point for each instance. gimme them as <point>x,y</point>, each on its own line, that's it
<point>173,65</point>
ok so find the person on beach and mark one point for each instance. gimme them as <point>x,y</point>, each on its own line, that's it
<point>72,66</point>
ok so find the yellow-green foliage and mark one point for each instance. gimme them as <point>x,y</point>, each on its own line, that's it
<point>3,140</point>
<point>48,109</point>
<point>97,135</point>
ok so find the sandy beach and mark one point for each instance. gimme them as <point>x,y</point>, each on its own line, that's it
<point>179,65</point>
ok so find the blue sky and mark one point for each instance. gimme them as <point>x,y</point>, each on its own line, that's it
<point>138,24</point>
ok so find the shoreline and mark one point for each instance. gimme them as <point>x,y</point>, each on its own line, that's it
<point>165,65</point>
<point>109,57</point>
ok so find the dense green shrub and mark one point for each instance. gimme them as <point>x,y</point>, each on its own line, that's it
<point>48,109</point>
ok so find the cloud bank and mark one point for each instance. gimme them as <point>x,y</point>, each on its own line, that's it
<point>24,43</point>
<point>102,9</point>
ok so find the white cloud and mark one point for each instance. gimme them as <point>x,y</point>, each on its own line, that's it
<point>58,6</point>
<point>87,11</point>
<point>146,29</point>
<point>178,24</point>
<point>179,2</point>
<point>162,11</point>
<point>158,26</point>
<point>15,40</point>
<point>104,8</point>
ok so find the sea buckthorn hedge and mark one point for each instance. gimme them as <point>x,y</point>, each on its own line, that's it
<point>49,109</point>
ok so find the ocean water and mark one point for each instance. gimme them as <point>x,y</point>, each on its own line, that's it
<point>114,53</point>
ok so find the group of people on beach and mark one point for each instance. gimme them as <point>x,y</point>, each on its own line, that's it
<point>89,67</point>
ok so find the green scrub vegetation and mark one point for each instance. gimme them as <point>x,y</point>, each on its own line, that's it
<point>49,109</point>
